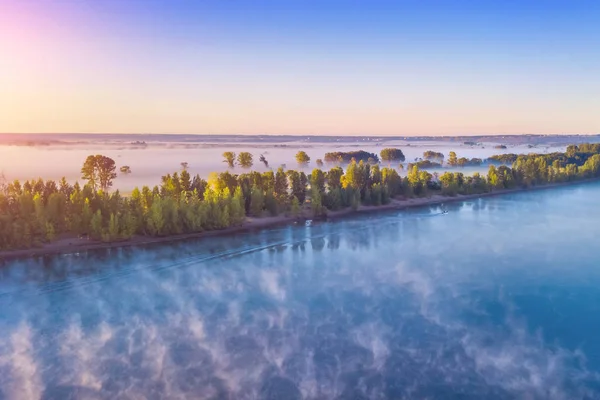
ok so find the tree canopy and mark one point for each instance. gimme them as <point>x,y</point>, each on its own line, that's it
<point>99,171</point>
<point>229,158</point>
<point>392,154</point>
<point>348,156</point>
<point>302,158</point>
<point>245,159</point>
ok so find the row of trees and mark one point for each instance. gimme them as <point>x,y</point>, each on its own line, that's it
<point>431,159</point>
<point>38,211</point>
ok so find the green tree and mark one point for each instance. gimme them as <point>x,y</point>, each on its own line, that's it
<point>281,187</point>
<point>237,208</point>
<point>185,181</point>
<point>297,185</point>
<point>452,159</point>
<point>302,158</point>
<point>295,207</point>
<point>317,180</point>
<point>113,227</point>
<point>96,230</point>
<point>432,155</point>
<point>351,176</point>
<point>257,202</point>
<point>229,157</point>
<point>334,178</point>
<point>245,159</point>
<point>391,154</point>
<point>99,171</point>
<point>316,203</point>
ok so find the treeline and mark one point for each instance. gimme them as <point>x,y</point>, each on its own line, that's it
<point>38,211</point>
<point>578,163</point>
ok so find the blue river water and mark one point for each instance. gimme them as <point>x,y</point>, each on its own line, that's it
<point>497,299</point>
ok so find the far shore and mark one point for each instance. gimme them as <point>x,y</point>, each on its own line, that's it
<point>69,245</point>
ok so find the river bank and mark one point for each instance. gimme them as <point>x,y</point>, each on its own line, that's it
<point>68,245</point>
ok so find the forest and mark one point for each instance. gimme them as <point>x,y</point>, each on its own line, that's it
<point>39,211</point>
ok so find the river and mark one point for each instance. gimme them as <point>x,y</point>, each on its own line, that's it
<point>497,299</point>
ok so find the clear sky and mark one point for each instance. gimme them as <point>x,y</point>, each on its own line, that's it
<point>418,67</point>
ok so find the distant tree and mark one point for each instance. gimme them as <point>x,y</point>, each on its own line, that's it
<point>263,160</point>
<point>319,162</point>
<point>99,171</point>
<point>229,157</point>
<point>432,155</point>
<point>245,159</point>
<point>392,154</point>
<point>302,158</point>
<point>184,165</point>
<point>424,164</point>
<point>125,169</point>
<point>452,159</point>
<point>462,161</point>
<point>343,157</point>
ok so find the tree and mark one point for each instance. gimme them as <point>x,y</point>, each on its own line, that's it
<point>316,203</point>
<point>452,159</point>
<point>184,165</point>
<point>334,178</point>
<point>263,160</point>
<point>302,158</point>
<point>245,159</point>
<point>237,207</point>
<point>281,187</point>
<point>432,155</point>
<point>350,178</point>
<point>125,169</point>
<point>257,201</point>
<point>185,181</point>
<point>319,163</point>
<point>295,207</point>
<point>89,172</point>
<point>317,180</point>
<point>392,154</point>
<point>99,171</point>
<point>229,157</point>
<point>463,161</point>
<point>297,185</point>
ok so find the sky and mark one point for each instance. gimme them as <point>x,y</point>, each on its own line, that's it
<point>370,67</point>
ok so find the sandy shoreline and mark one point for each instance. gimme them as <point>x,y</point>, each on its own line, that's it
<point>75,245</point>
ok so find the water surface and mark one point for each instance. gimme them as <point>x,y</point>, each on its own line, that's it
<point>498,299</point>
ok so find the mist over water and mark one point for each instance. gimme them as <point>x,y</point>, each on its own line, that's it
<point>149,164</point>
<point>498,299</point>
